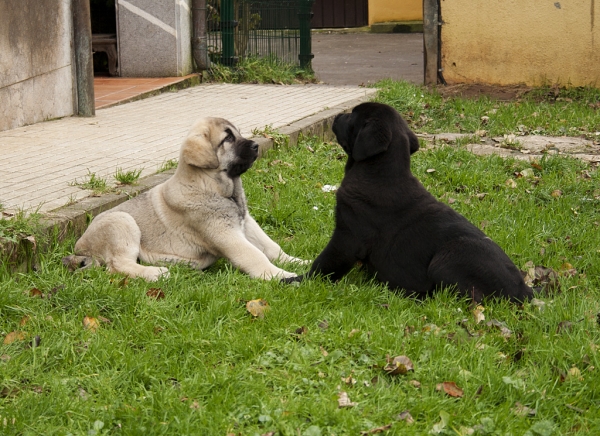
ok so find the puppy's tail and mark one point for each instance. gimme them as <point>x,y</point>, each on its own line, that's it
<point>74,262</point>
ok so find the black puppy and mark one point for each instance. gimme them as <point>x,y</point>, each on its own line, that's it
<point>387,220</point>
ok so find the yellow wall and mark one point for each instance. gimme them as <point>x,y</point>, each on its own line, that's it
<point>514,41</point>
<point>381,11</point>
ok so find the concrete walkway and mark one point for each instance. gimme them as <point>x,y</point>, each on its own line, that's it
<point>40,163</point>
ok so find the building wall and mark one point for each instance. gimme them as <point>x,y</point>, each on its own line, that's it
<point>154,38</point>
<point>36,62</point>
<point>514,41</point>
<point>381,11</point>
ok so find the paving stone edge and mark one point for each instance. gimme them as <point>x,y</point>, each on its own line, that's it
<point>72,220</point>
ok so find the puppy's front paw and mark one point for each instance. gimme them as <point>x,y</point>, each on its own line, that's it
<point>153,273</point>
<point>297,260</point>
<point>292,280</point>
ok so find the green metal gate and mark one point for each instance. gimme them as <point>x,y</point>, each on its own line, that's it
<point>259,28</point>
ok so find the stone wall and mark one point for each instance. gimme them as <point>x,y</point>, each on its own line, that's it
<point>36,62</point>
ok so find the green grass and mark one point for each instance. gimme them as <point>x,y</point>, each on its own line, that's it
<point>127,177</point>
<point>196,362</point>
<point>541,111</point>
<point>261,70</point>
<point>93,182</point>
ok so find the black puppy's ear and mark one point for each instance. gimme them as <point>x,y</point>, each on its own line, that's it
<point>374,138</point>
<point>414,142</point>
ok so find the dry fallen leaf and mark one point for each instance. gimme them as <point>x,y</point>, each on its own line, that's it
<point>522,410</point>
<point>376,430</point>
<point>91,323</point>
<point>415,383</point>
<point>556,193</point>
<point>323,325</point>
<point>353,332</point>
<point>504,330</point>
<point>14,336</point>
<point>478,314</point>
<point>344,400</point>
<point>399,365</point>
<point>349,380</point>
<point>24,320</point>
<point>511,183</point>
<point>451,389</point>
<point>155,293</point>
<point>257,308</point>
<point>405,416</point>
<point>35,292</point>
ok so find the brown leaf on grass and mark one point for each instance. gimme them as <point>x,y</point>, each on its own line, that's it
<point>14,336</point>
<point>344,400</point>
<point>451,389</point>
<point>90,323</point>
<point>35,342</point>
<point>323,351</point>
<point>376,430</point>
<point>399,365</point>
<point>155,293</point>
<point>415,383</point>
<point>257,308</point>
<point>478,314</point>
<point>564,326</point>
<point>195,405</point>
<point>24,320</point>
<point>522,410</point>
<point>511,183</point>
<point>6,392</point>
<point>504,330</point>
<point>353,332</point>
<point>323,325</point>
<point>349,380</point>
<point>5,358</point>
<point>567,270</point>
<point>405,416</point>
<point>542,278</point>
<point>556,193</point>
<point>35,293</point>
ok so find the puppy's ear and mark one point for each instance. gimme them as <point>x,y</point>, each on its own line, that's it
<point>374,138</point>
<point>198,151</point>
<point>413,141</point>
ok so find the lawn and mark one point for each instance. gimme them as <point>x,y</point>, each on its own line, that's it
<point>94,353</point>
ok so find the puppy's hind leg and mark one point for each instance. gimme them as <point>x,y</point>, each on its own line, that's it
<point>114,238</point>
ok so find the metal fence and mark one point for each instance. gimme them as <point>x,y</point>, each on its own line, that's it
<point>237,29</point>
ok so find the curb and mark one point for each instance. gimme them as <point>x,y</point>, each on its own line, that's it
<point>72,220</point>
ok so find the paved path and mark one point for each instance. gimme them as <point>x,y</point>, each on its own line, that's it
<point>365,58</point>
<point>39,163</point>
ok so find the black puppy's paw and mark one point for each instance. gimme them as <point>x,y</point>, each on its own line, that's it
<point>293,280</point>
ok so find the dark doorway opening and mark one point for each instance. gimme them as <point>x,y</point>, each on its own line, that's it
<point>104,37</point>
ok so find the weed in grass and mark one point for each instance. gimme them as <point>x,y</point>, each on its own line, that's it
<point>261,70</point>
<point>19,225</point>
<point>167,165</point>
<point>279,139</point>
<point>93,183</point>
<point>542,111</point>
<point>196,362</point>
<point>127,177</point>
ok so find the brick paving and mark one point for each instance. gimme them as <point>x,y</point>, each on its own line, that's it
<point>40,163</point>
